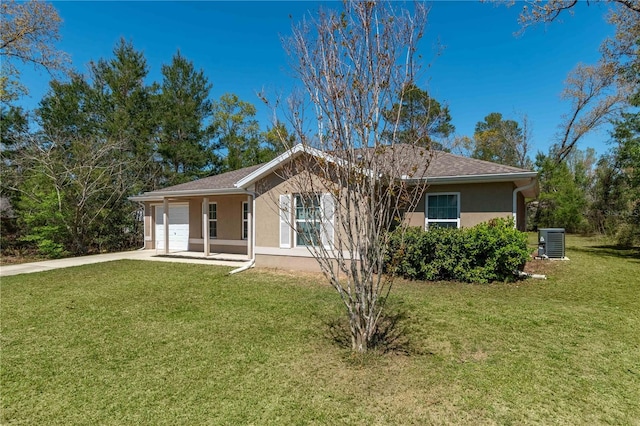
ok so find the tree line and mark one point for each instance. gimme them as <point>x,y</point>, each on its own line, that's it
<point>579,191</point>
<point>97,138</point>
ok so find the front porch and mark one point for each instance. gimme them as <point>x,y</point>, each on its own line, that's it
<point>211,227</point>
<point>200,255</point>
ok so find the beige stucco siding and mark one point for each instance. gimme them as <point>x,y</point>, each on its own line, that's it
<point>195,218</point>
<point>479,202</point>
<point>269,190</point>
<point>300,263</point>
<point>415,218</point>
<point>219,248</point>
<point>267,215</point>
<point>229,216</point>
<point>287,262</point>
<point>229,209</point>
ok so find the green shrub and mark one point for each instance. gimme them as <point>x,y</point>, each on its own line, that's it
<point>46,247</point>
<point>627,235</point>
<point>487,252</point>
<point>51,249</point>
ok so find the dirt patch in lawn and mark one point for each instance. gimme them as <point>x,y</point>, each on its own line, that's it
<point>544,266</point>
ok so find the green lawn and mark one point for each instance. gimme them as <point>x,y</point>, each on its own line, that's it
<point>155,343</point>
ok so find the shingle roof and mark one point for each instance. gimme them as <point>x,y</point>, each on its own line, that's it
<point>216,182</point>
<point>447,164</point>
<point>404,159</point>
<point>419,162</point>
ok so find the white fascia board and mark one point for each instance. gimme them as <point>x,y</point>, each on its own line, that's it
<point>500,177</point>
<point>160,195</point>
<point>143,198</point>
<point>284,157</point>
<point>273,164</point>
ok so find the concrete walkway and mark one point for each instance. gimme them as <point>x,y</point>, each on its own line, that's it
<point>27,268</point>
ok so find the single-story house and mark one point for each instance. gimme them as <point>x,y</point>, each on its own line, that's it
<point>240,212</point>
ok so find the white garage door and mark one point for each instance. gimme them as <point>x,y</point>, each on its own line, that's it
<point>178,227</point>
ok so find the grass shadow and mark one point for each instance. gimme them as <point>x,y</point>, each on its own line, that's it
<point>391,336</point>
<point>611,251</point>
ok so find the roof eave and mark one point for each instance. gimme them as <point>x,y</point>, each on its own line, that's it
<point>483,178</point>
<point>160,195</point>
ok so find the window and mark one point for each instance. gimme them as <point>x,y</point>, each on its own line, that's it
<point>245,220</point>
<point>308,219</point>
<point>213,220</point>
<point>443,210</point>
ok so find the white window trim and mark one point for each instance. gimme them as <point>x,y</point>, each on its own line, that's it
<point>426,209</point>
<point>245,220</point>
<point>212,220</point>
<point>320,220</point>
<point>288,229</point>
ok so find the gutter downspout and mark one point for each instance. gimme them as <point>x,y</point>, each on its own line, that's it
<point>515,200</point>
<point>252,262</point>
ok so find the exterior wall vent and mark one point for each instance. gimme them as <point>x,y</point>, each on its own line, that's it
<point>551,242</point>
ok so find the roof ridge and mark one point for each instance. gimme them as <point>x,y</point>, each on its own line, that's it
<point>478,160</point>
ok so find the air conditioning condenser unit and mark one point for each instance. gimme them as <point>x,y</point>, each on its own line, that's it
<point>551,243</point>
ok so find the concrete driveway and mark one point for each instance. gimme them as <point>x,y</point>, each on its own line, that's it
<point>26,268</point>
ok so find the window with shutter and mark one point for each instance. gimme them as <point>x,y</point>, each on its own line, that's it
<point>285,220</point>
<point>328,212</point>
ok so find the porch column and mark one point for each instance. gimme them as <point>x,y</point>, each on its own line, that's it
<point>250,227</point>
<point>165,224</point>
<point>205,225</point>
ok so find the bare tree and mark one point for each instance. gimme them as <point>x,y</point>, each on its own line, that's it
<point>594,101</point>
<point>28,33</point>
<point>622,49</point>
<point>596,92</point>
<point>73,182</point>
<point>349,180</point>
<point>546,11</point>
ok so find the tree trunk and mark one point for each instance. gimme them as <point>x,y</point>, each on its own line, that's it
<point>359,340</point>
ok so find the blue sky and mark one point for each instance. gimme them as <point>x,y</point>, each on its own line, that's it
<point>484,68</point>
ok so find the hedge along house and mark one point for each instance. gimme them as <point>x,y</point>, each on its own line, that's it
<point>256,213</point>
